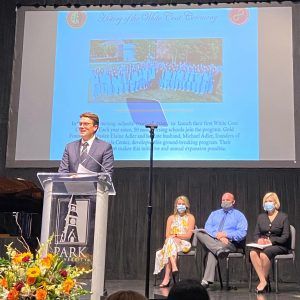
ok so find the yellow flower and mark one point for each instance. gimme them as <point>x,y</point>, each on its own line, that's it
<point>26,256</point>
<point>41,294</point>
<point>68,285</point>
<point>44,284</point>
<point>17,259</point>
<point>33,272</point>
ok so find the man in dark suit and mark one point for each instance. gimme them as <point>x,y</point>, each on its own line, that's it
<point>90,152</point>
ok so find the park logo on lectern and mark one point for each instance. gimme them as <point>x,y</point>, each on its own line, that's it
<point>72,221</point>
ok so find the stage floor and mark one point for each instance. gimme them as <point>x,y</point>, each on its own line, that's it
<point>286,291</point>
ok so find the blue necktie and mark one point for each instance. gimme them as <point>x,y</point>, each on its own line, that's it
<point>221,225</point>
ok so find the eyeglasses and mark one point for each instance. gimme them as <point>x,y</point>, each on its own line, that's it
<point>85,124</point>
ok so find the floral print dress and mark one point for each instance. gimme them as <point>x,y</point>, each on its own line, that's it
<point>171,248</point>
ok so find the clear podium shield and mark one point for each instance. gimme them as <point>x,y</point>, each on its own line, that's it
<point>75,214</point>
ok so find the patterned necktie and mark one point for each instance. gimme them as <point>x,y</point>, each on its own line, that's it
<point>221,225</point>
<point>83,155</point>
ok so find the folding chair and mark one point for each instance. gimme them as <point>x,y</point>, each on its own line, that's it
<point>280,257</point>
<point>239,253</point>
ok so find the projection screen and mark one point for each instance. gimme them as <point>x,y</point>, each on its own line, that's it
<point>217,81</point>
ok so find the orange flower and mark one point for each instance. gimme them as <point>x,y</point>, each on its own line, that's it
<point>3,282</point>
<point>68,285</point>
<point>41,294</point>
<point>47,261</point>
<point>13,294</point>
<point>33,272</point>
<point>31,280</point>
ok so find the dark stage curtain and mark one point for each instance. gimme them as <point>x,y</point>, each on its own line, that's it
<point>204,187</point>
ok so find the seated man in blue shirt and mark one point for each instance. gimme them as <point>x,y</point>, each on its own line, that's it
<point>224,229</point>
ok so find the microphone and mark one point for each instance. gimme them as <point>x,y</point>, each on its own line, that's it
<point>96,161</point>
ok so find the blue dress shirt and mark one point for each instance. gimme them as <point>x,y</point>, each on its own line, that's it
<point>235,224</point>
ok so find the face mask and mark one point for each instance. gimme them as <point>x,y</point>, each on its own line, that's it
<point>269,206</point>
<point>226,204</point>
<point>181,208</point>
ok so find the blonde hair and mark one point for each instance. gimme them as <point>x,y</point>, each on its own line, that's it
<point>275,199</point>
<point>186,202</point>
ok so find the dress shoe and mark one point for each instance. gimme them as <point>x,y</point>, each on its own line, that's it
<point>175,276</point>
<point>165,285</point>
<point>205,285</point>
<point>257,291</point>
<point>262,290</point>
<point>222,252</point>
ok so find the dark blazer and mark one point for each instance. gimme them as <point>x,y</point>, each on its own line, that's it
<point>278,231</point>
<point>100,151</point>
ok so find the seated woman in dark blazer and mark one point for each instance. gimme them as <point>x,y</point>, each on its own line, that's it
<point>272,228</point>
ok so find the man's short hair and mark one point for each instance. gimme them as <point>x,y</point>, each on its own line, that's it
<point>91,116</point>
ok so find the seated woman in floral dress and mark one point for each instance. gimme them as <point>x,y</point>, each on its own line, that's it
<point>180,226</point>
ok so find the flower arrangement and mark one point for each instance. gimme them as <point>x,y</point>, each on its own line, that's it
<point>40,276</point>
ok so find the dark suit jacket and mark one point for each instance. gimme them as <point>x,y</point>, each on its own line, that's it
<point>100,151</point>
<point>278,231</point>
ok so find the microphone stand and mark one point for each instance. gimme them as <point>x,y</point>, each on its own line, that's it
<point>149,209</point>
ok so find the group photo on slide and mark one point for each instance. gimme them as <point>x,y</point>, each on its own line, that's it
<point>149,150</point>
<point>167,70</point>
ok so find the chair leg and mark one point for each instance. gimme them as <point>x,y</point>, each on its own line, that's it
<point>269,289</point>
<point>197,266</point>
<point>296,272</point>
<point>227,272</point>
<point>178,266</point>
<point>250,277</point>
<point>245,269</point>
<point>220,275</point>
<point>276,275</point>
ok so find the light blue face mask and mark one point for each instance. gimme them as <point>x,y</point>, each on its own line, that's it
<point>181,208</point>
<point>226,204</point>
<point>269,206</point>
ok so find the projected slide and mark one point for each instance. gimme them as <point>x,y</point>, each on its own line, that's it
<point>218,82</point>
<point>193,72</point>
